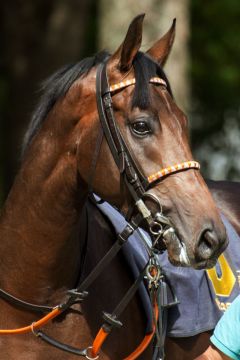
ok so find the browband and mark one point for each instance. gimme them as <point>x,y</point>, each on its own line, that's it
<point>125,83</point>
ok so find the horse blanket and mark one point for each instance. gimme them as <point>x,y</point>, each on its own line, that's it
<point>203,295</point>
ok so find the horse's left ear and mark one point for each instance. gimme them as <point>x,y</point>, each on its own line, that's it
<point>127,51</point>
<point>161,49</point>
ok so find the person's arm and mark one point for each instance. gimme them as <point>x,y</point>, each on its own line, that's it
<point>212,353</point>
<point>225,339</point>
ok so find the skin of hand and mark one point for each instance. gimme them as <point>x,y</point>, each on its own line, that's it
<point>212,353</point>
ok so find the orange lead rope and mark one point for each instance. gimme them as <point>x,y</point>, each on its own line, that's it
<point>102,335</point>
<point>99,339</point>
<point>44,320</point>
<point>146,341</point>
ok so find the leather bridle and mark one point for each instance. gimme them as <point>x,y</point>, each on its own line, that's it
<point>137,183</point>
<point>159,227</point>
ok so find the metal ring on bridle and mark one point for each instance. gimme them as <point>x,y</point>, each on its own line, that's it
<point>156,228</point>
<point>154,198</point>
<point>89,357</point>
<point>33,330</point>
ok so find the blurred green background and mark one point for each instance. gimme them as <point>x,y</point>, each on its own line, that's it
<point>37,37</point>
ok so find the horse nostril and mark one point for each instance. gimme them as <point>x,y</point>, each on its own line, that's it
<point>207,245</point>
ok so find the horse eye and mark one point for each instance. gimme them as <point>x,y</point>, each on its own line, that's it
<point>141,128</point>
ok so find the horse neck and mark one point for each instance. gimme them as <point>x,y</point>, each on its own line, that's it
<point>39,247</point>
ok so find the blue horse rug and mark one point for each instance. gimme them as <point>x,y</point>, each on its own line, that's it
<point>203,295</point>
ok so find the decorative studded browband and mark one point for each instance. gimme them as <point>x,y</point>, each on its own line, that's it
<point>125,83</point>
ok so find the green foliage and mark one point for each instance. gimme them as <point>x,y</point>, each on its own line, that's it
<point>215,72</point>
<point>216,52</point>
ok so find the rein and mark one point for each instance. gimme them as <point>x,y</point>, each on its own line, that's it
<point>159,226</point>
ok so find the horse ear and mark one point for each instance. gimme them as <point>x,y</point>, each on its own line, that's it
<point>161,49</point>
<point>127,51</point>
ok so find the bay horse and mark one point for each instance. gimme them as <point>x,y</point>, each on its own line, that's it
<point>65,155</point>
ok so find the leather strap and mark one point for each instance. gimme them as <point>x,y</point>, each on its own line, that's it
<point>111,320</point>
<point>126,165</point>
<point>121,240</point>
<point>60,345</point>
<point>24,304</point>
<point>101,88</point>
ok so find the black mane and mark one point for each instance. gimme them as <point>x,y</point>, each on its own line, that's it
<point>57,85</point>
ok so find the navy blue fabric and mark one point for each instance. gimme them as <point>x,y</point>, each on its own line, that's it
<point>197,311</point>
<point>135,255</point>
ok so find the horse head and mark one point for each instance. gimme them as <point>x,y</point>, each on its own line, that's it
<point>148,139</point>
